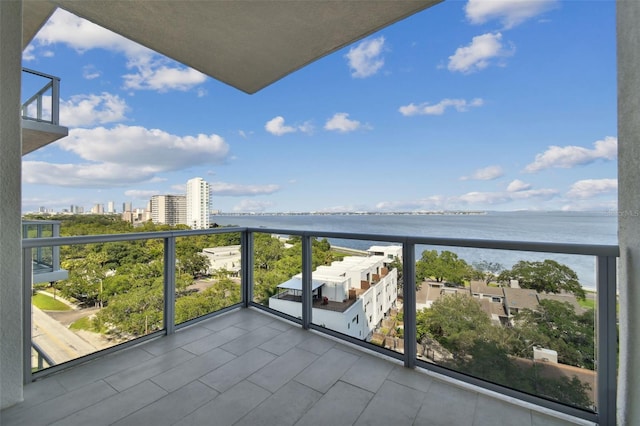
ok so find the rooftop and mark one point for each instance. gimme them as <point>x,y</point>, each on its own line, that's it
<point>247,367</point>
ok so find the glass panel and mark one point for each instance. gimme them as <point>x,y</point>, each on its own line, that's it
<point>357,290</point>
<point>208,271</point>
<point>103,295</point>
<point>277,261</point>
<point>528,324</point>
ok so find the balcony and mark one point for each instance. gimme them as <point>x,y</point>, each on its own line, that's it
<point>40,112</point>
<point>46,260</point>
<point>247,363</point>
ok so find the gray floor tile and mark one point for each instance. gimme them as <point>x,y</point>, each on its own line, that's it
<point>214,340</point>
<point>172,407</point>
<point>115,407</point>
<point>251,340</point>
<point>254,322</point>
<point>38,392</point>
<point>540,419</point>
<point>145,370</point>
<point>368,373</point>
<point>195,368</point>
<point>285,341</point>
<point>316,344</point>
<point>59,407</point>
<point>228,407</point>
<point>236,370</point>
<point>326,370</point>
<point>225,320</point>
<point>412,378</point>
<point>447,405</point>
<point>102,367</point>
<point>341,405</point>
<point>392,404</point>
<point>492,412</point>
<point>282,369</point>
<point>283,408</point>
<point>283,325</point>
<point>176,340</point>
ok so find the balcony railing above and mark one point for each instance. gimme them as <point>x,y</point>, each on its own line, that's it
<point>41,111</point>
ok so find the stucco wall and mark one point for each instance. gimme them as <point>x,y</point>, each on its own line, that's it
<point>628,36</point>
<point>10,201</point>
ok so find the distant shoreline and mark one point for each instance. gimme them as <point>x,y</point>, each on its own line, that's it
<point>440,213</point>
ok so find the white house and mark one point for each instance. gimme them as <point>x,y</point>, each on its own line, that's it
<point>351,296</point>
<point>225,258</point>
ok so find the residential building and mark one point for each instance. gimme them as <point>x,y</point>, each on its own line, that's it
<point>97,209</point>
<point>111,207</point>
<point>198,203</point>
<point>351,296</point>
<point>169,209</point>
<point>225,258</point>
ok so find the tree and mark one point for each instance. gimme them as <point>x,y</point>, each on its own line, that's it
<point>556,325</point>
<point>445,266</point>
<point>488,271</point>
<point>86,276</point>
<point>548,276</point>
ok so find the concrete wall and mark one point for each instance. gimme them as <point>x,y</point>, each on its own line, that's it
<point>10,202</point>
<point>628,36</point>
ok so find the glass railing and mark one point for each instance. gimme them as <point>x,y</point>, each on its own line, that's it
<point>44,104</point>
<point>527,329</point>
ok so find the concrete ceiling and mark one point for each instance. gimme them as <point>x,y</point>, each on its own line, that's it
<point>247,44</point>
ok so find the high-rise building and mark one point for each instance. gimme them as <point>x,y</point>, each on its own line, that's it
<point>198,200</point>
<point>169,209</point>
<point>126,207</point>
<point>97,209</point>
<point>111,207</point>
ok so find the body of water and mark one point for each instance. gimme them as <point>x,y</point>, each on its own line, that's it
<point>555,227</point>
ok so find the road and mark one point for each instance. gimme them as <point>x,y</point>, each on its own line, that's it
<point>60,343</point>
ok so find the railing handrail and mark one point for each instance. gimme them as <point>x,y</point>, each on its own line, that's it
<point>54,85</point>
<point>532,246</point>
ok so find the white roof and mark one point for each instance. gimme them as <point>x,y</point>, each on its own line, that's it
<point>295,283</point>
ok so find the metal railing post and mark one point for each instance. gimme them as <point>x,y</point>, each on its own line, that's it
<point>246,261</point>
<point>169,316</point>
<point>306,282</point>
<point>55,101</point>
<point>27,285</point>
<point>607,339</point>
<point>409,303</point>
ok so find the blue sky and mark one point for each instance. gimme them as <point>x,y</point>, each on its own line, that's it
<point>477,105</point>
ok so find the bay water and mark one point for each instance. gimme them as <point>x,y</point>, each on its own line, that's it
<point>527,226</point>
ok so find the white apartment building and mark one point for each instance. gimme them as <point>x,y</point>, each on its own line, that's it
<point>225,258</point>
<point>351,296</point>
<point>198,203</point>
<point>169,209</point>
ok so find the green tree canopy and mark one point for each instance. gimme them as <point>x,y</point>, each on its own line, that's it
<point>547,276</point>
<point>446,266</point>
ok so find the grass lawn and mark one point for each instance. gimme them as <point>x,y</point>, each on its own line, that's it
<point>47,303</point>
<point>82,324</point>
<point>587,303</point>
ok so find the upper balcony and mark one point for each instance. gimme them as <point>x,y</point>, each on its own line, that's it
<point>177,355</point>
<point>41,111</point>
<point>46,260</point>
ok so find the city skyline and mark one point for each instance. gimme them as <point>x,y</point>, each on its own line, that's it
<point>472,106</point>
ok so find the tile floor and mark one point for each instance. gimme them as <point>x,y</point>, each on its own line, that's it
<point>250,368</point>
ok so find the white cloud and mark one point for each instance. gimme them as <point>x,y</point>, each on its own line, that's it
<point>28,53</point>
<point>460,105</point>
<point>589,188</point>
<point>340,122</point>
<point>306,127</point>
<point>276,126</point>
<point>509,12</point>
<point>88,110</point>
<point>571,156</point>
<point>152,72</point>
<point>140,194</point>
<point>86,175</point>
<point>138,147</point>
<point>479,53</point>
<point>518,185</point>
<point>365,59</point>
<point>493,198</point>
<point>89,72</point>
<point>486,173</point>
<point>237,190</point>
<point>252,206</point>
